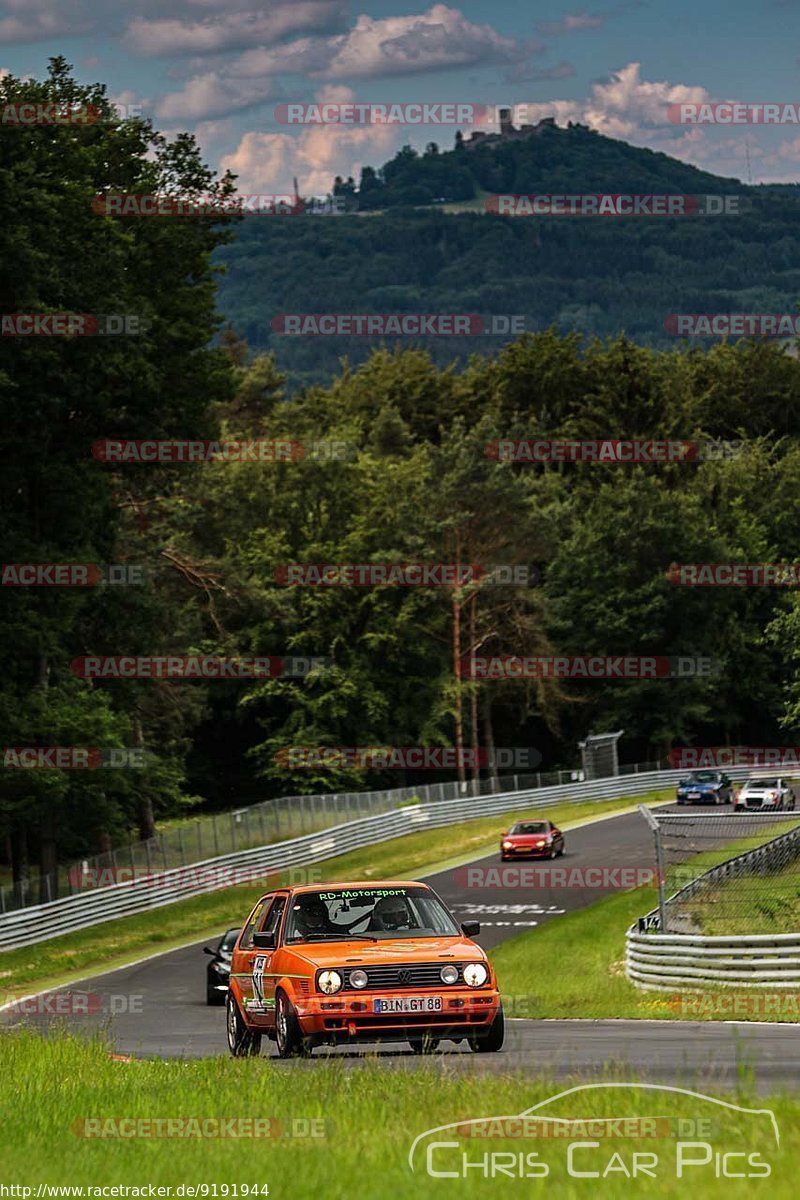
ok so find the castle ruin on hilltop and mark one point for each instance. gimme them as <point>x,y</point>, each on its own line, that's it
<point>508,132</point>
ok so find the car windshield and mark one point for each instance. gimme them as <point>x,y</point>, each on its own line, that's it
<point>759,784</point>
<point>400,912</point>
<point>229,941</point>
<point>703,777</point>
<point>531,827</point>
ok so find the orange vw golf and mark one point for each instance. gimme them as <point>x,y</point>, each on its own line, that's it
<point>359,962</point>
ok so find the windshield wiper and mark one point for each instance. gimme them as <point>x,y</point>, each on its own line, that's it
<point>344,936</point>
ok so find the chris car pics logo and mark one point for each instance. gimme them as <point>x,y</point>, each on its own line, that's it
<point>654,1131</point>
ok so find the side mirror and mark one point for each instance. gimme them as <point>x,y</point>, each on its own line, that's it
<point>504,833</point>
<point>264,941</point>
<point>209,950</point>
<point>471,928</point>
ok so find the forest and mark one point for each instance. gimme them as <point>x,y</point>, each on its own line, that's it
<point>211,541</point>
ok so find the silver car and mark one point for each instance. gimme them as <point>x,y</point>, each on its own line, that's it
<point>765,793</point>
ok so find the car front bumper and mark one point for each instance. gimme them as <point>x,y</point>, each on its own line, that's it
<point>464,1013</point>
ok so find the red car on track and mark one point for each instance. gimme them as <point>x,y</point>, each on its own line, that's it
<point>359,962</point>
<point>532,839</point>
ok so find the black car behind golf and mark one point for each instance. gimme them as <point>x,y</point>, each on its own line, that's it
<point>218,970</point>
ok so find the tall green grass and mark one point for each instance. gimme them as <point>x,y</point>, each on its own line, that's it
<point>370,1115</point>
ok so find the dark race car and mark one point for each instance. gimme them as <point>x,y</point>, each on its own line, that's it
<point>219,969</point>
<point>532,839</point>
<point>705,787</point>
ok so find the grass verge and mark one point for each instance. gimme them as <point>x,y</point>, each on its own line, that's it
<point>105,947</point>
<point>575,968</point>
<point>365,1121</point>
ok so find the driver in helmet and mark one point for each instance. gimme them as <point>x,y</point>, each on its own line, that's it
<point>391,912</point>
<point>311,916</point>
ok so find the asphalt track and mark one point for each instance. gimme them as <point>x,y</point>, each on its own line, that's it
<point>156,1008</point>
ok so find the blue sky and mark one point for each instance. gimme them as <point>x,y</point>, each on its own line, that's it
<point>219,68</point>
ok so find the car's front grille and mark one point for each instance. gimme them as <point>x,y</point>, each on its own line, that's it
<point>403,975</point>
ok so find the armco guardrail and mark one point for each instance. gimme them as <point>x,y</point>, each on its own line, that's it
<point>244,828</point>
<point>663,962</point>
<point>42,922</point>
<point>658,961</point>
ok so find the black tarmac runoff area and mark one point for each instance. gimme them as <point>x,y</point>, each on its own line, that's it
<point>156,1008</point>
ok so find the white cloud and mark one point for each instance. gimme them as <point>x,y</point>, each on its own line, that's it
<point>268,162</point>
<point>572,23</point>
<point>442,37</point>
<point>623,106</point>
<point>213,95</point>
<point>232,30</point>
<point>435,40</point>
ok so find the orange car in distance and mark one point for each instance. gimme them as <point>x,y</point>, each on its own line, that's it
<point>359,962</point>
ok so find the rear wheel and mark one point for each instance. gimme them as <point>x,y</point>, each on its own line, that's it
<point>493,1041</point>
<point>288,1035</point>
<point>241,1042</point>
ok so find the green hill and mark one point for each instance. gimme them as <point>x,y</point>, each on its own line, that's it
<point>601,276</point>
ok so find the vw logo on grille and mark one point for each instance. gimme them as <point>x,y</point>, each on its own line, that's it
<point>404,975</point>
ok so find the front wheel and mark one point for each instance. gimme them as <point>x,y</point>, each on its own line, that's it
<point>288,1035</point>
<point>241,1042</point>
<point>494,1039</point>
<point>425,1045</point>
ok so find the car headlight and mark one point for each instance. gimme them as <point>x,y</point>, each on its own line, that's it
<point>449,974</point>
<point>475,974</point>
<point>329,982</point>
<point>358,979</point>
<point>507,845</point>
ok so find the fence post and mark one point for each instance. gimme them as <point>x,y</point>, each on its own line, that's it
<point>180,843</point>
<point>200,839</point>
<point>216,836</point>
<point>147,858</point>
<point>2,899</point>
<point>234,846</point>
